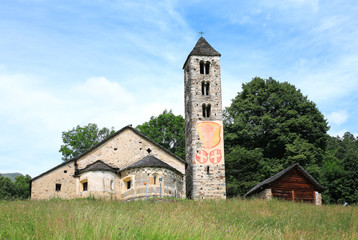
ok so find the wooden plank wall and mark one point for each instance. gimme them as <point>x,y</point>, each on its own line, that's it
<point>294,187</point>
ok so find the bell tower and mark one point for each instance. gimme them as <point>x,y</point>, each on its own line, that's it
<point>204,143</point>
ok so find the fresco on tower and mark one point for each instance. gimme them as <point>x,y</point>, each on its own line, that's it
<point>211,135</point>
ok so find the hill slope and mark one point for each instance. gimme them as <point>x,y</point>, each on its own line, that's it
<point>12,176</point>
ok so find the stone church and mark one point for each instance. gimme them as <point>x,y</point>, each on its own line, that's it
<point>128,165</point>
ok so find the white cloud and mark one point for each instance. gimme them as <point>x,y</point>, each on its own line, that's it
<point>338,117</point>
<point>39,114</point>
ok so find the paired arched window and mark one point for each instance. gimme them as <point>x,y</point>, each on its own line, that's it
<point>205,86</point>
<point>204,67</point>
<point>206,110</point>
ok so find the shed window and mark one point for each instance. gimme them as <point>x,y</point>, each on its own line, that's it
<point>205,88</point>
<point>206,110</point>
<point>58,187</point>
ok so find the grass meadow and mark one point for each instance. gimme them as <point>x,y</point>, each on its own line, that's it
<point>181,219</point>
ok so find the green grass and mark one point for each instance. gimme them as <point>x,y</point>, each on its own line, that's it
<point>184,219</point>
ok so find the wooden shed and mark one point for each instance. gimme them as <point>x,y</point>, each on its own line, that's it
<point>292,184</point>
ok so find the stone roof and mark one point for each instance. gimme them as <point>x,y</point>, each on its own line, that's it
<point>97,166</point>
<point>150,161</point>
<point>264,184</point>
<point>202,48</point>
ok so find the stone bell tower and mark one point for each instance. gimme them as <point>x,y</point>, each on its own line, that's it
<point>204,143</point>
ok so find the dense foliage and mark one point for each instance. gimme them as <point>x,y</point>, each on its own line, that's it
<point>81,139</point>
<point>340,170</point>
<point>268,127</point>
<point>166,130</point>
<point>20,189</point>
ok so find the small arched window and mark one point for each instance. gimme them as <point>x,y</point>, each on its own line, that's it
<point>206,110</point>
<point>207,170</point>
<point>205,86</point>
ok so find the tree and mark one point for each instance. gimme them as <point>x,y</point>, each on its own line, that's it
<point>81,139</point>
<point>22,186</point>
<point>20,189</point>
<point>277,121</point>
<point>7,190</point>
<point>167,130</point>
<point>340,170</point>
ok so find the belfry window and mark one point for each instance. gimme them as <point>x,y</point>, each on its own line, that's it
<point>205,86</point>
<point>206,110</point>
<point>204,67</point>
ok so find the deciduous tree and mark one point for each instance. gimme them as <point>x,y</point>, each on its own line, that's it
<point>81,139</point>
<point>168,130</point>
<point>275,126</point>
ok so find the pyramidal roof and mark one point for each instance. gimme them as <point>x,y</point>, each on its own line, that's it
<point>202,48</point>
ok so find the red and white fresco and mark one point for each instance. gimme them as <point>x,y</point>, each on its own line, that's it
<point>211,134</point>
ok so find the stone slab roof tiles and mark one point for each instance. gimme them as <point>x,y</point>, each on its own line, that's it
<point>202,48</point>
<point>150,161</point>
<point>97,166</point>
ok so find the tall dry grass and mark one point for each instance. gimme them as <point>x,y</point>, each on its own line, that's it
<point>185,219</point>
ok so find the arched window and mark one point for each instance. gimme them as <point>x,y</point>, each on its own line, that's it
<point>206,110</point>
<point>204,67</point>
<point>205,88</point>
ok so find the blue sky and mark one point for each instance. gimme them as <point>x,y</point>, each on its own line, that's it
<point>114,63</point>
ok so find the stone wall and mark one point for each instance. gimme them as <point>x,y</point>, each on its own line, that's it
<point>318,198</point>
<point>127,148</point>
<point>101,184</point>
<point>172,184</point>
<point>45,186</point>
<point>265,194</point>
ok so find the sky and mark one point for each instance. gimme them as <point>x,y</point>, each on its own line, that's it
<point>111,62</point>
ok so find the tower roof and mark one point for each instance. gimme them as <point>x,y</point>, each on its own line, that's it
<point>202,48</point>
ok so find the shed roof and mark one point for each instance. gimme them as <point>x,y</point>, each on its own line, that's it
<point>262,185</point>
<point>202,48</point>
<point>150,161</point>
